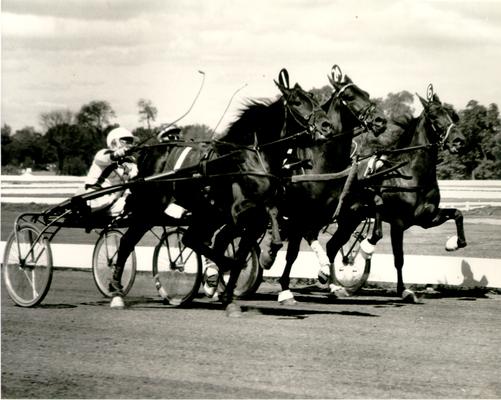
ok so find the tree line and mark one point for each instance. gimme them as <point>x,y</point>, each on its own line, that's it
<point>69,139</point>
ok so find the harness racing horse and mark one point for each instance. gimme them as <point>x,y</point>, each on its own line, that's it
<point>311,199</point>
<point>227,181</point>
<point>408,195</point>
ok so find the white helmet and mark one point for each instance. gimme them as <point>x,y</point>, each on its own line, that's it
<point>113,138</point>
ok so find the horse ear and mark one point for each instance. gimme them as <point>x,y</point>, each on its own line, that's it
<point>283,78</point>
<point>436,98</point>
<point>282,88</point>
<point>423,101</point>
<point>429,92</point>
<point>336,75</point>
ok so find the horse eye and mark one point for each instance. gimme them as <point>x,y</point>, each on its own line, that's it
<point>295,102</point>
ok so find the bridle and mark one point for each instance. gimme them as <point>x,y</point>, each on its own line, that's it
<point>363,116</point>
<point>307,123</point>
<point>443,133</point>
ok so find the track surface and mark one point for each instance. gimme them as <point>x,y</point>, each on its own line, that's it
<point>368,346</point>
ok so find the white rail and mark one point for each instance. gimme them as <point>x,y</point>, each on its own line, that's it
<point>50,189</point>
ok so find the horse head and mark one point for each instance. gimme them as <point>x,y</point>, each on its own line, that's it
<point>303,108</point>
<point>357,101</point>
<point>442,121</point>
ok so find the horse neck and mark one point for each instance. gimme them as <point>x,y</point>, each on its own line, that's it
<point>334,155</point>
<point>422,162</point>
<point>261,122</point>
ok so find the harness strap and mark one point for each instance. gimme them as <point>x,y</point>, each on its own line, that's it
<point>321,177</point>
<point>104,174</point>
<point>182,157</point>
<point>346,188</point>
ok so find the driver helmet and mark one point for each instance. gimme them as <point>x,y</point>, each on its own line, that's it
<point>118,138</point>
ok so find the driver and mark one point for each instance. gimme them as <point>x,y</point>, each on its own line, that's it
<point>112,166</point>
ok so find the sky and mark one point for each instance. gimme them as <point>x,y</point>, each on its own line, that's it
<point>62,54</point>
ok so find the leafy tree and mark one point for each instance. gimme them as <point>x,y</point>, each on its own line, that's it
<point>147,112</point>
<point>323,94</point>
<point>481,155</point>
<point>145,135</point>
<point>6,141</point>
<point>96,117</point>
<point>397,105</point>
<point>56,117</point>
<point>74,148</point>
<point>197,132</point>
<point>26,148</point>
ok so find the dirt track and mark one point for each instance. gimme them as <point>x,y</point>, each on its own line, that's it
<point>368,346</point>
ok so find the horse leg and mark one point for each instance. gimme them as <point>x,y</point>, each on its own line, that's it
<point>272,241</point>
<point>323,259</point>
<point>245,246</point>
<point>444,214</point>
<point>397,244</point>
<point>377,231</point>
<point>127,243</point>
<point>345,228</point>
<point>285,296</point>
<point>195,238</point>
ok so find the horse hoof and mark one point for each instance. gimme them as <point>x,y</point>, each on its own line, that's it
<point>408,296</point>
<point>337,291</point>
<point>324,274</point>
<point>288,302</point>
<point>117,303</point>
<point>453,243</point>
<point>266,260</point>
<point>285,297</point>
<point>233,311</point>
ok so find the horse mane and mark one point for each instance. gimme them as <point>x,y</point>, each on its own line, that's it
<point>398,134</point>
<point>450,110</point>
<point>263,119</point>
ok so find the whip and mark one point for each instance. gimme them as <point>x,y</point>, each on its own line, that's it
<point>189,109</point>
<point>227,106</point>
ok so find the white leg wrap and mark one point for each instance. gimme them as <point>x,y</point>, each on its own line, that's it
<point>338,291</point>
<point>367,249</point>
<point>320,253</point>
<point>162,292</point>
<point>452,243</point>
<point>285,295</point>
<point>117,303</point>
<point>211,271</point>
<point>210,267</point>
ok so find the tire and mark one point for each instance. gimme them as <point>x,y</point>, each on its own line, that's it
<point>177,269</point>
<point>27,266</point>
<point>351,269</point>
<point>104,258</point>
<point>250,277</point>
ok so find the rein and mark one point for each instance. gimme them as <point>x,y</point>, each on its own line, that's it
<point>352,132</point>
<point>400,150</point>
<point>362,117</point>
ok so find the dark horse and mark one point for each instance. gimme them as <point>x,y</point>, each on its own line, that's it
<point>228,181</point>
<point>311,199</point>
<point>409,195</point>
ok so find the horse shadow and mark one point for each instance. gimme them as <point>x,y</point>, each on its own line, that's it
<point>302,310</point>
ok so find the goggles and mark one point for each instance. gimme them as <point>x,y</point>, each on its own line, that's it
<point>127,140</point>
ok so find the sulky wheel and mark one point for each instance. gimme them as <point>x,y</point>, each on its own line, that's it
<point>250,276</point>
<point>351,269</point>
<point>177,269</point>
<point>104,259</point>
<point>27,266</point>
